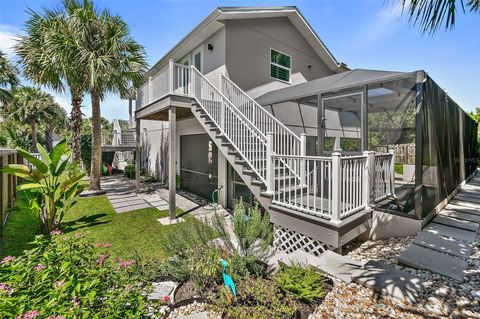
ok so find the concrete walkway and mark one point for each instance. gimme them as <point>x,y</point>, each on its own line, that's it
<point>121,193</point>
<point>443,246</point>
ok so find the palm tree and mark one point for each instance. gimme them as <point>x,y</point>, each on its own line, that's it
<point>56,122</point>
<point>113,62</point>
<point>49,57</point>
<point>431,14</point>
<point>29,105</point>
<point>8,78</point>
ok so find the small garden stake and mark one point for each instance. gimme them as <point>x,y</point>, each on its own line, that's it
<point>229,285</point>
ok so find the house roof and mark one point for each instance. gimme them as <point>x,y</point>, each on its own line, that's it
<point>214,22</point>
<point>334,82</point>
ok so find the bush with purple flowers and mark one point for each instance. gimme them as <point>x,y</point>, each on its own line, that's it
<point>66,277</point>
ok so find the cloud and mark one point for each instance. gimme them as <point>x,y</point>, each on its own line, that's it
<point>8,37</point>
<point>382,27</point>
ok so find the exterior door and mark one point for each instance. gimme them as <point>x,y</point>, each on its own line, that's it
<point>198,165</point>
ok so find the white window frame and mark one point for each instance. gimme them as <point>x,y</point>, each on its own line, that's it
<point>281,66</point>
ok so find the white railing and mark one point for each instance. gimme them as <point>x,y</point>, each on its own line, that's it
<point>172,78</point>
<point>250,142</point>
<point>384,178</point>
<point>353,176</point>
<point>285,141</point>
<point>315,195</point>
<point>119,139</point>
<point>334,187</point>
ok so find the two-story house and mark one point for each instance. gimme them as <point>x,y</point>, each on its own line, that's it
<point>258,107</point>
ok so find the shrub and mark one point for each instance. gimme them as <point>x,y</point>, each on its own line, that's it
<point>48,191</point>
<point>256,298</point>
<point>305,284</point>
<point>86,151</point>
<point>68,278</point>
<point>130,170</point>
<point>252,232</point>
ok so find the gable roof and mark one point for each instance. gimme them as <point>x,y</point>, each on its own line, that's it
<point>214,22</point>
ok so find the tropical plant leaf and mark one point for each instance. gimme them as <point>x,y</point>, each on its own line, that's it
<point>27,186</point>
<point>38,163</point>
<point>57,152</point>
<point>44,154</point>
<point>73,180</point>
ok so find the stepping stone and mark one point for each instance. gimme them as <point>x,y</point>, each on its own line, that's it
<point>438,243</point>
<point>162,289</point>
<point>464,203</point>
<point>443,230</point>
<point>468,199</point>
<point>453,222</point>
<point>122,200</point>
<point>463,209</point>
<point>156,202</point>
<point>423,258</point>
<point>131,208</point>
<point>128,203</point>
<point>388,280</point>
<point>468,193</point>
<point>461,215</point>
<point>338,266</point>
<point>197,315</point>
<point>117,196</point>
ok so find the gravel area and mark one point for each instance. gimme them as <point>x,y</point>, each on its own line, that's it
<point>190,309</point>
<point>441,297</point>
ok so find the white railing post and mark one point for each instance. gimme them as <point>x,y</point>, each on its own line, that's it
<point>222,116</point>
<point>270,167</point>
<point>170,75</point>
<point>336,186</point>
<point>222,89</point>
<point>303,152</point>
<point>368,177</point>
<point>192,81</point>
<point>392,172</point>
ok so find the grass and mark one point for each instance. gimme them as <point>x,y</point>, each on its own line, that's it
<point>132,233</point>
<point>399,168</point>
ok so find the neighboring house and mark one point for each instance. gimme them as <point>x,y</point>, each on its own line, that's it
<point>257,105</point>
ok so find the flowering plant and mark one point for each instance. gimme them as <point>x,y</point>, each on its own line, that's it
<point>66,277</point>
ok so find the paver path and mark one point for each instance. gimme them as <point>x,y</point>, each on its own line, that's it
<point>444,245</point>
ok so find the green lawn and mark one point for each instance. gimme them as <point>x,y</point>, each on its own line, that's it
<point>131,233</point>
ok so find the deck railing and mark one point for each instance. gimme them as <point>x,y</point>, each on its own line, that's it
<point>334,187</point>
<point>329,187</point>
<point>284,140</point>
<point>119,139</point>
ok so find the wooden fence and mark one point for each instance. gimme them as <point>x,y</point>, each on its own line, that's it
<point>404,153</point>
<point>8,183</point>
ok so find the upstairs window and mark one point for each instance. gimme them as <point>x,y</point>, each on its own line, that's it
<point>280,65</point>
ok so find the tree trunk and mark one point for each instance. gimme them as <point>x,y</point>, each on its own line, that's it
<point>48,137</point>
<point>33,125</point>
<point>76,123</point>
<point>95,171</point>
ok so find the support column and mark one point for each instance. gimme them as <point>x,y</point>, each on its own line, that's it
<point>336,187</point>
<point>138,150</point>
<point>320,125</point>
<point>364,119</point>
<point>172,157</point>
<point>420,87</point>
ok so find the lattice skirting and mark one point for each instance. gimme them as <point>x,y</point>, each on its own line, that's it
<point>289,241</point>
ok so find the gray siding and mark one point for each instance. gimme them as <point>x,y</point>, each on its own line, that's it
<point>248,44</point>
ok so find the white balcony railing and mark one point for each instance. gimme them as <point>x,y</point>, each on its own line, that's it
<point>329,187</point>
<point>119,139</point>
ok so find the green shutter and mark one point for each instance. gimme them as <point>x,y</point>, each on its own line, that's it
<point>280,73</point>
